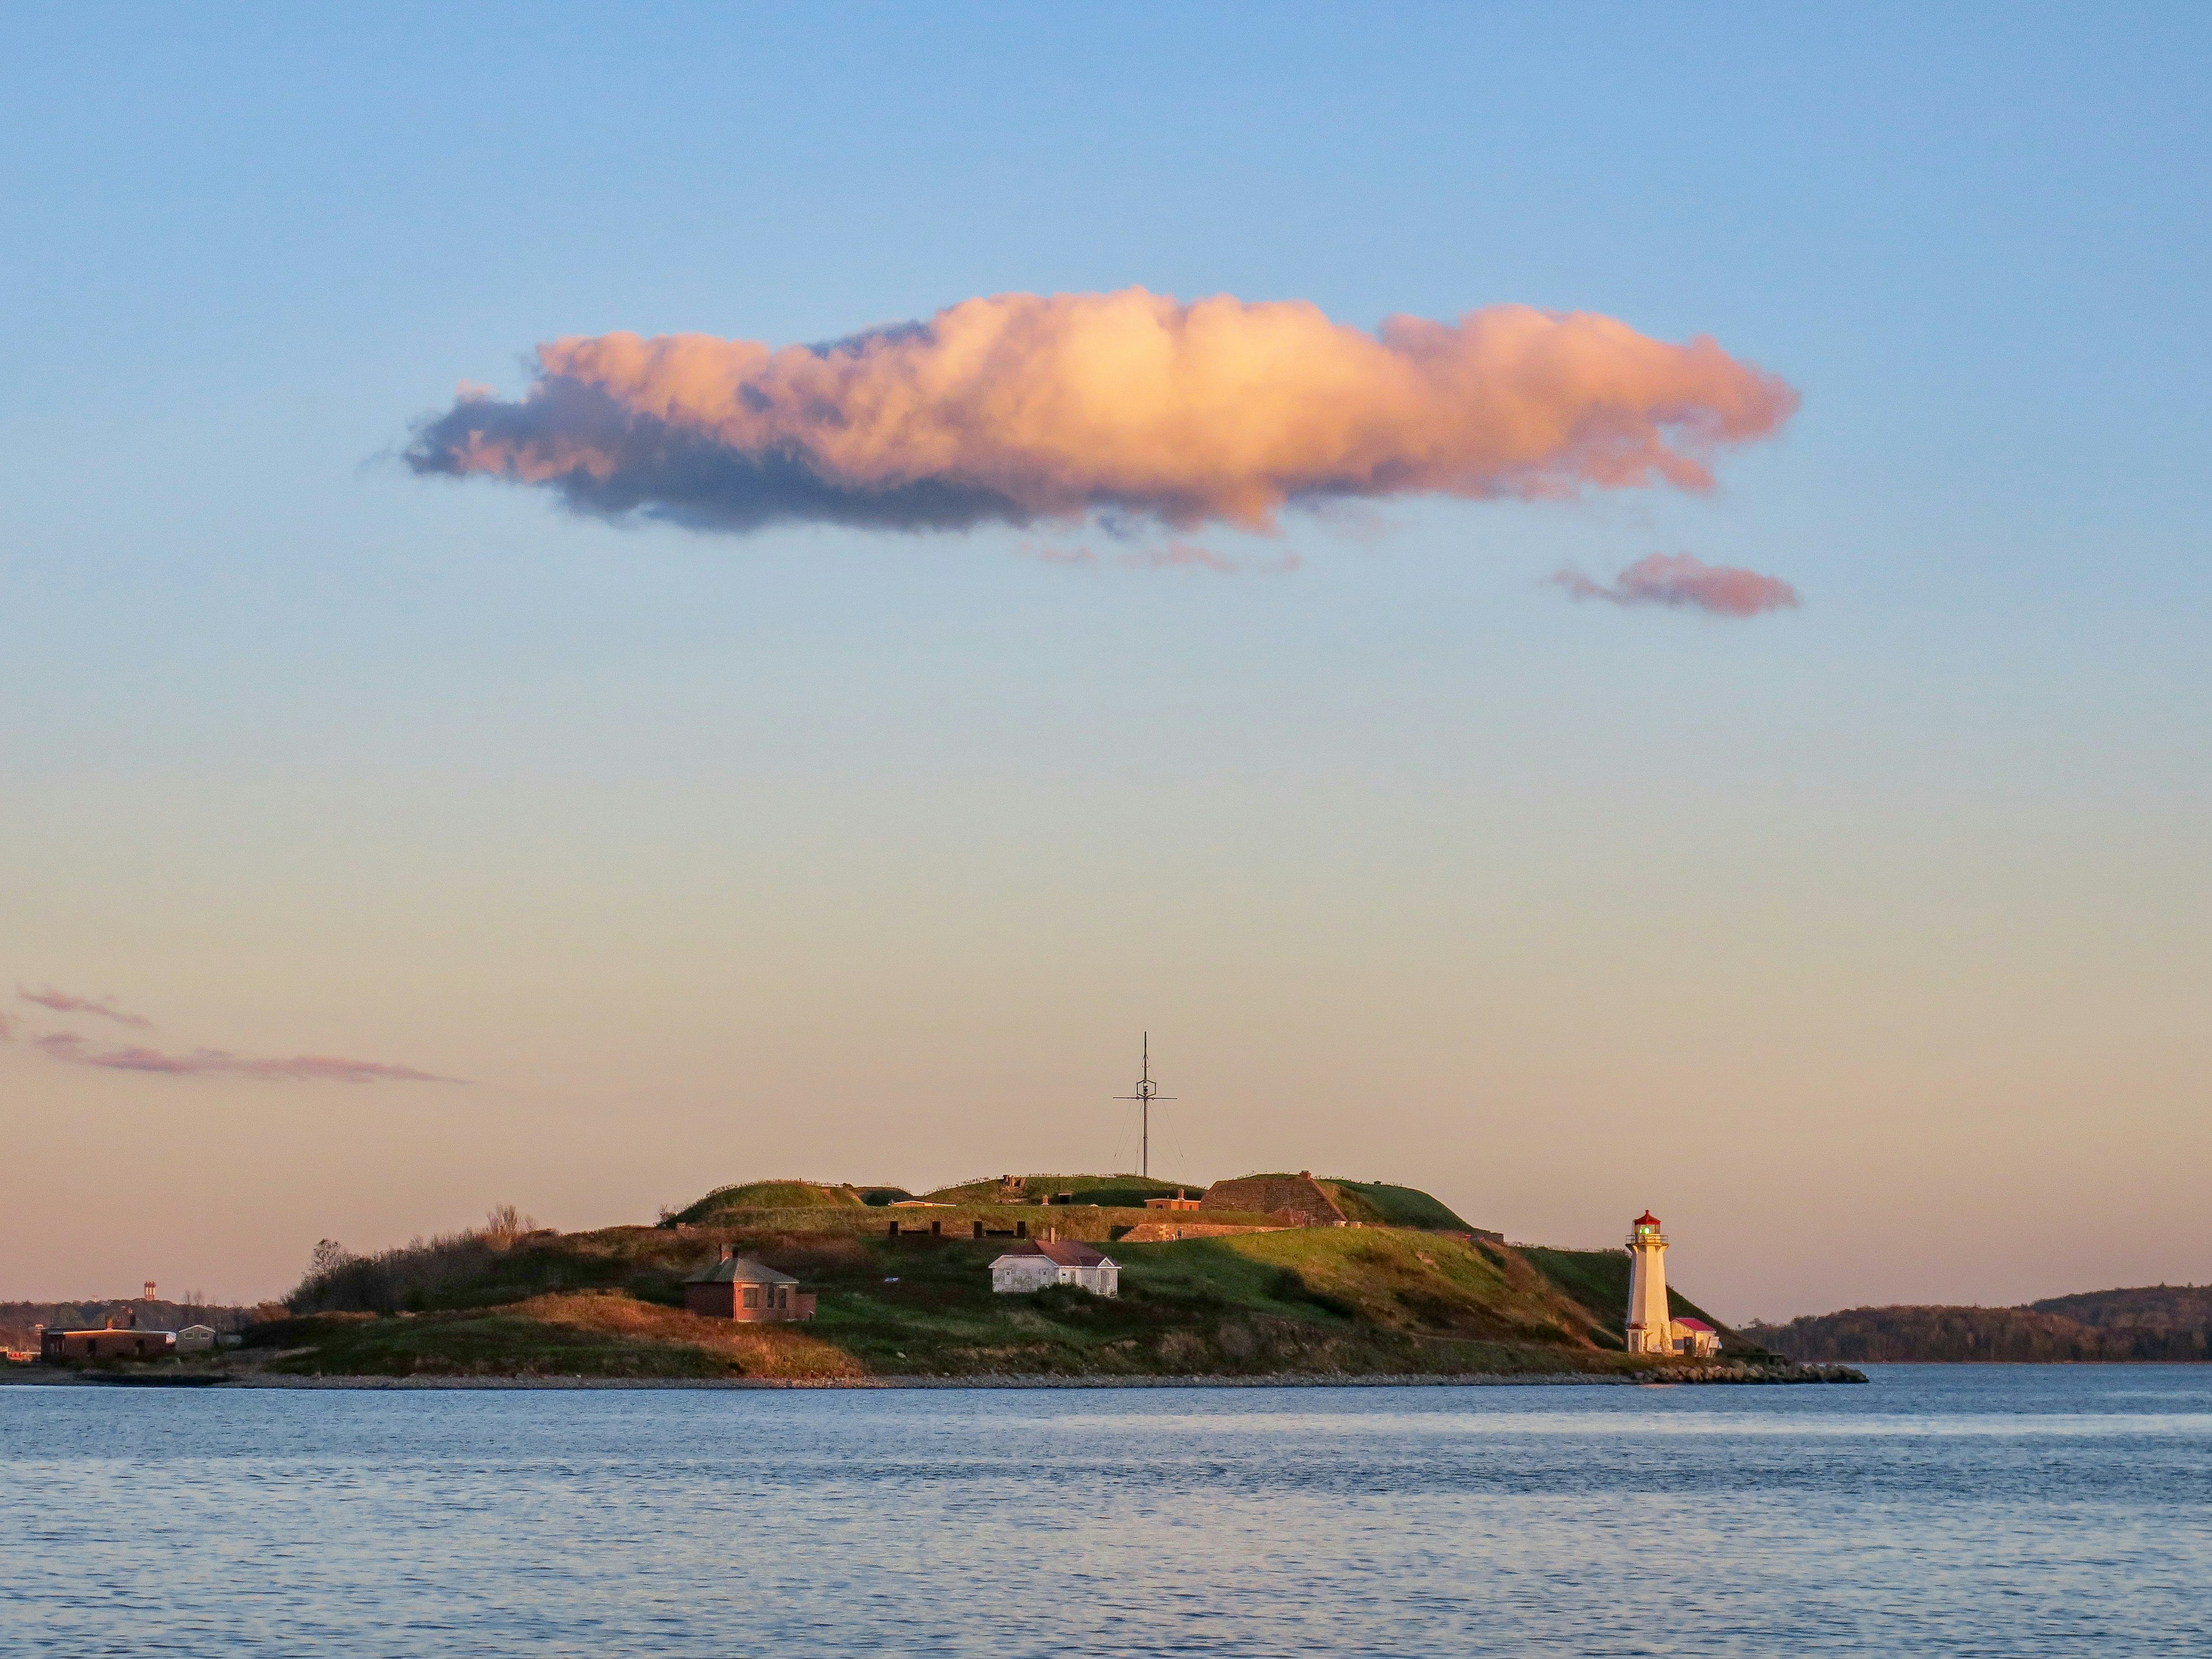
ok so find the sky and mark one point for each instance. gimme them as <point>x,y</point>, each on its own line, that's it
<point>1764,779</point>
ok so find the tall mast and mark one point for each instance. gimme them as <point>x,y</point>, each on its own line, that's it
<point>1147,1093</point>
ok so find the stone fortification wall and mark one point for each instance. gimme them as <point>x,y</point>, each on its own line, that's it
<point>1167,1233</point>
<point>1298,1200</point>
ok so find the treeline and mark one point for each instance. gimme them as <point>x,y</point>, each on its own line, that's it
<point>20,1320</point>
<point>2159,1323</point>
<point>413,1275</point>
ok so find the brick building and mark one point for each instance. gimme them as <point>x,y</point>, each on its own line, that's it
<point>121,1340</point>
<point>738,1287</point>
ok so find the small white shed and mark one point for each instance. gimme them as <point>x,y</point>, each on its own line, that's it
<point>196,1339</point>
<point>1050,1263</point>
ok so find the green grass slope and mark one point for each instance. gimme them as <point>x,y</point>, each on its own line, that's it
<point>1368,1300</point>
<point>1379,1204</point>
<point>774,1196</point>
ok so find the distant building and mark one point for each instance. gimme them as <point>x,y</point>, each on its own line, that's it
<point>196,1339</point>
<point>1695,1337</point>
<point>1295,1201</point>
<point>1652,1328</point>
<point>1040,1262</point>
<point>125,1343</point>
<point>738,1287</point>
<point>1181,1201</point>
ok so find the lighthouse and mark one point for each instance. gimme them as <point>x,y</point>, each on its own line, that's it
<point>1650,1329</point>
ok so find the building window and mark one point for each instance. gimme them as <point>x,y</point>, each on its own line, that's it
<point>752,1297</point>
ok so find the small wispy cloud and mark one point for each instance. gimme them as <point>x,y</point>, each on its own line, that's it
<point>7,1028</point>
<point>219,1062</point>
<point>1176,555</point>
<point>1682,581</point>
<point>66,1002</point>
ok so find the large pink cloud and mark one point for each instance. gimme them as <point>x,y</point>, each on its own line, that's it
<point>66,1002</point>
<point>1129,406</point>
<point>203,1062</point>
<point>1678,579</point>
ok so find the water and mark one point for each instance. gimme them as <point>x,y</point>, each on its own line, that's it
<point>1941,1510</point>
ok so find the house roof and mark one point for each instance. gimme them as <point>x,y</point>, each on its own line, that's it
<point>1693,1324</point>
<point>1072,1254</point>
<point>739,1270</point>
<point>1061,1252</point>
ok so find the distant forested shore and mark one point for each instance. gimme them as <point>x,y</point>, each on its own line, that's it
<point>2157,1323</point>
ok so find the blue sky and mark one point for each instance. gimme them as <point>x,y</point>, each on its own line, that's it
<point>707,856</point>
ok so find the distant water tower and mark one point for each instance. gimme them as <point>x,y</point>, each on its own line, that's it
<point>1649,1324</point>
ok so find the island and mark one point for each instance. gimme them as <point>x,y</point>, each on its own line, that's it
<point>1273,1277</point>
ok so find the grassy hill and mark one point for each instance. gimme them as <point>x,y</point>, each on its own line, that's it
<point>1366,1300</point>
<point>1380,1205</point>
<point>1405,1291</point>
<point>785,1195</point>
<point>1371,1203</point>
<point>1378,1298</point>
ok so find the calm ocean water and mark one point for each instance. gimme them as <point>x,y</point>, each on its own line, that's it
<point>1941,1510</point>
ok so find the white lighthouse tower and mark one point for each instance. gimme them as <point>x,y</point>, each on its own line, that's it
<point>1650,1329</point>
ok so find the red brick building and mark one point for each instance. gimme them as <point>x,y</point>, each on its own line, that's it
<point>105,1345</point>
<point>738,1287</point>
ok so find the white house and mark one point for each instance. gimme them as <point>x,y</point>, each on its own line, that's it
<point>196,1339</point>
<point>1040,1262</point>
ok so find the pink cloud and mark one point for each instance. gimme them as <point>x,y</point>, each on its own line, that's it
<point>1176,555</point>
<point>7,1028</point>
<point>1127,406</point>
<point>205,1062</point>
<point>1046,553</point>
<point>65,1002</point>
<point>1678,579</point>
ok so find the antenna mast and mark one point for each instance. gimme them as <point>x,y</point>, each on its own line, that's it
<point>1147,1093</point>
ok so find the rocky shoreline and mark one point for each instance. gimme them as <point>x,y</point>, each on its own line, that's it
<point>1706,1375</point>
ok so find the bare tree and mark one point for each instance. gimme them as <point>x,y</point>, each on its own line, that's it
<point>504,1225</point>
<point>330,1256</point>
